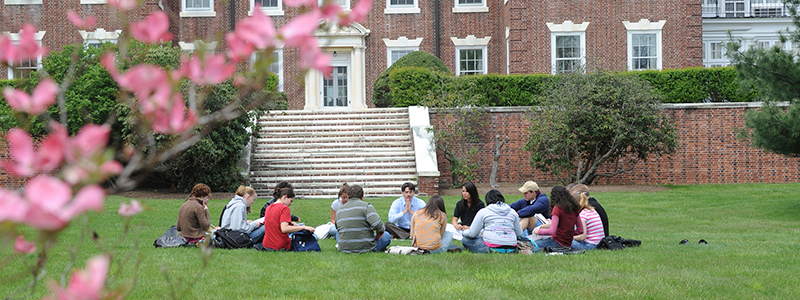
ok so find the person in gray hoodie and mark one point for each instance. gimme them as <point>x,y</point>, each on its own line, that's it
<point>235,215</point>
<point>500,226</point>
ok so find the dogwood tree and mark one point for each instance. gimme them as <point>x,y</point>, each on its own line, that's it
<point>64,173</point>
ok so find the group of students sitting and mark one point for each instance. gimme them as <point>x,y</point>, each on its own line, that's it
<point>569,218</point>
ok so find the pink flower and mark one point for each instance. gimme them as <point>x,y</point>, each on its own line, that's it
<point>90,141</point>
<point>8,52</point>
<point>176,120</point>
<point>209,70</point>
<point>300,28</point>
<point>25,161</point>
<point>12,207</point>
<point>358,13</point>
<point>123,5</point>
<point>311,56</point>
<point>126,210</point>
<point>238,49</point>
<point>28,47</point>
<point>49,205</point>
<point>257,29</point>
<point>43,96</point>
<point>152,30</point>
<point>81,23</point>
<point>298,3</point>
<point>331,11</point>
<point>86,284</point>
<point>23,246</point>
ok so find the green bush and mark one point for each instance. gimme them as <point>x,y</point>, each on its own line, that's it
<point>697,85</point>
<point>409,85</point>
<point>382,93</point>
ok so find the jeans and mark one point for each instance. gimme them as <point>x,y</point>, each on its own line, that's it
<point>383,242</point>
<point>475,244</point>
<point>548,242</point>
<point>583,245</point>
<point>333,232</point>
<point>447,238</point>
<point>257,234</point>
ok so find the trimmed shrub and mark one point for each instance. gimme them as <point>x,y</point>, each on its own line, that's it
<point>382,93</point>
<point>697,85</point>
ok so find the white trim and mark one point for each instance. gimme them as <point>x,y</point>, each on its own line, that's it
<point>279,61</point>
<point>470,8</point>
<point>424,145</point>
<point>568,26</point>
<point>269,11</point>
<point>644,26</point>
<point>197,12</point>
<point>484,58</point>
<point>471,40</point>
<point>400,44</point>
<point>347,39</point>
<point>508,51</point>
<point>198,44</point>
<point>22,2</point>
<point>401,9</point>
<point>15,37</point>
<point>94,1</point>
<point>345,7</point>
<point>100,35</point>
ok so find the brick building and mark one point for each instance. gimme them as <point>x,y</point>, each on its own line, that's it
<point>470,36</point>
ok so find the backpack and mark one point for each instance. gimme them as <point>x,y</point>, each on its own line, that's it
<point>613,242</point>
<point>170,239</point>
<point>232,239</point>
<point>303,241</point>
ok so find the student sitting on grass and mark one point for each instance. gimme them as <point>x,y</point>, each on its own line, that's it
<point>282,184</point>
<point>427,227</point>
<point>360,227</point>
<point>235,215</point>
<point>399,225</point>
<point>564,211</point>
<point>343,197</point>
<point>591,224</point>
<point>468,207</point>
<point>278,222</point>
<point>500,225</point>
<point>583,189</point>
<point>193,216</point>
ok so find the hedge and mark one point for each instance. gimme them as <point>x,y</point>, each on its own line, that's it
<point>689,85</point>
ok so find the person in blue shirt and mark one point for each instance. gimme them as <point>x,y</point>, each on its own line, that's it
<point>535,202</point>
<point>399,225</point>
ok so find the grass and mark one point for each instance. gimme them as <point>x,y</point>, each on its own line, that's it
<point>752,231</point>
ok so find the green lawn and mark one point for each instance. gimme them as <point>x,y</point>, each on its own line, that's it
<point>752,230</point>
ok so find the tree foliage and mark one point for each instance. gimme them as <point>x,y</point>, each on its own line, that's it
<point>775,73</point>
<point>597,125</point>
<point>382,95</point>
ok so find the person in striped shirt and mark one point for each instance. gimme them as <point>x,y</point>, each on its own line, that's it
<point>591,222</point>
<point>359,225</point>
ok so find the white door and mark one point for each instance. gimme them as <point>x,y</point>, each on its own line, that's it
<point>336,88</point>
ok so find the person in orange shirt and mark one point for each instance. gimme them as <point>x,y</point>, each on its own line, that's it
<point>427,227</point>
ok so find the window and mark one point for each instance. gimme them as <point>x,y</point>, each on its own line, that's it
<point>734,8</point>
<point>644,44</point>
<point>567,46</point>
<point>275,66</point>
<point>98,37</point>
<point>94,1</point>
<point>24,68</point>
<point>198,45</point>
<point>22,2</point>
<point>470,6</point>
<point>345,4</point>
<point>713,54</point>
<point>395,49</point>
<point>471,55</point>
<point>401,7</point>
<point>715,50</point>
<point>198,8</point>
<point>268,7</point>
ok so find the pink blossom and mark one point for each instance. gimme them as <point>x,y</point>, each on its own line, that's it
<point>12,207</point>
<point>176,120</point>
<point>238,49</point>
<point>8,52</point>
<point>298,3</point>
<point>126,210</point>
<point>123,5</point>
<point>28,47</point>
<point>43,96</point>
<point>257,29</point>
<point>90,141</point>
<point>311,56</point>
<point>358,13</point>
<point>81,23</point>
<point>331,11</point>
<point>90,197</point>
<point>152,30</point>
<point>86,284</point>
<point>49,204</point>
<point>25,161</point>
<point>208,70</point>
<point>297,31</point>
<point>23,246</point>
<point>150,84</point>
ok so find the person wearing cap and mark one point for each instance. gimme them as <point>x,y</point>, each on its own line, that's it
<point>401,211</point>
<point>534,202</point>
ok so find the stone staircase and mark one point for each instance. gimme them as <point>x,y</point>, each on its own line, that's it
<point>318,151</point>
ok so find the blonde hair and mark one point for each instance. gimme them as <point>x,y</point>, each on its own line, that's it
<point>245,189</point>
<point>583,201</point>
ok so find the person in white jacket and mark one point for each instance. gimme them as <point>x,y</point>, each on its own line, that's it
<point>499,224</point>
<point>235,215</point>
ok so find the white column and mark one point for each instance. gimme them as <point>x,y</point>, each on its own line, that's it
<point>312,80</point>
<point>358,88</point>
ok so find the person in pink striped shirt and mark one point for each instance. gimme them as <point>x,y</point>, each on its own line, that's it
<point>592,225</point>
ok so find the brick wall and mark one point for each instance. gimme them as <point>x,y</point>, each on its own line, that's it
<point>709,151</point>
<point>6,180</point>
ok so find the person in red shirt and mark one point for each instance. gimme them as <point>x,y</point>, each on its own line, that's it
<point>278,222</point>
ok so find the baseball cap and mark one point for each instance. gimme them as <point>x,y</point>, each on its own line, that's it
<point>529,186</point>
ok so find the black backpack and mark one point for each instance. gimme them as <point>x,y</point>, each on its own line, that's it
<point>613,242</point>
<point>232,239</point>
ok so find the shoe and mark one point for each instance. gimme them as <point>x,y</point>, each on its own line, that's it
<point>455,250</point>
<point>684,241</point>
<point>702,242</point>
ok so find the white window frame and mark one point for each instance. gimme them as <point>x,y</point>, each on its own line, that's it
<point>345,4</point>
<point>190,47</point>
<point>567,28</point>
<point>94,1</point>
<point>470,8</point>
<point>269,11</point>
<point>401,9</point>
<point>197,13</point>
<point>400,44</point>
<point>471,43</point>
<point>22,2</point>
<point>278,62</point>
<point>644,26</point>
<point>100,35</point>
<point>15,37</point>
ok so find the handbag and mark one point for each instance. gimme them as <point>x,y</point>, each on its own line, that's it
<point>226,238</point>
<point>526,246</point>
<point>405,250</point>
<point>303,241</point>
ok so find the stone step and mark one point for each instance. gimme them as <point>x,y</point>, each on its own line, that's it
<point>281,154</point>
<point>268,129</point>
<point>307,185</point>
<point>400,131</point>
<point>335,171</point>
<point>370,111</point>
<point>348,151</point>
<point>336,180</point>
<point>353,138</point>
<point>337,159</point>
<point>326,122</point>
<point>335,146</point>
<point>343,116</point>
<point>333,167</point>
<point>331,193</point>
